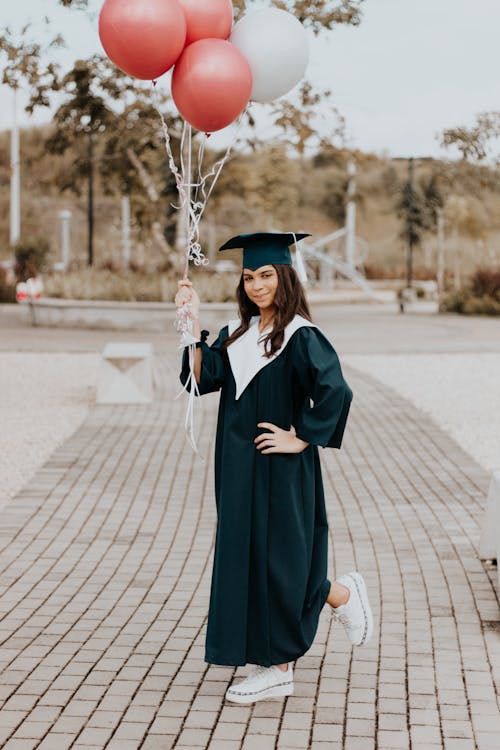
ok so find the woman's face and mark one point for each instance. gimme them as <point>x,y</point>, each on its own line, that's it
<point>260,285</point>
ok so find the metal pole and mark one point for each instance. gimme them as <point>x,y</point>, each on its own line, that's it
<point>440,252</point>
<point>351,215</point>
<point>125,231</point>
<point>90,200</point>
<point>410,223</point>
<point>15,179</point>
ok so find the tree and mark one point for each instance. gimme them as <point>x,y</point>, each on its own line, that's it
<point>410,207</point>
<point>297,121</point>
<point>433,198</point>
<point>111,123</point>
<point>23,64</point>
<point>320,14</point>
<point>474,143</point>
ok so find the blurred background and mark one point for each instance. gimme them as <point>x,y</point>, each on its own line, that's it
<point>397,117</point>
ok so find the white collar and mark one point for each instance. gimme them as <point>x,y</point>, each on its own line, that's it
<point>246,354</point>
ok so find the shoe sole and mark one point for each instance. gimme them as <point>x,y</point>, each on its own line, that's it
<point>365,604</point>
<point>277,691</point>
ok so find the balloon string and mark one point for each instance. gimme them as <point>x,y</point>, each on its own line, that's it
<point>195,208</point>
<point>194,211</point>
<point>193,392</point>
<point>189,179</point>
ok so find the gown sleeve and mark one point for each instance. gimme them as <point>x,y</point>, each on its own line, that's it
<point>213,370</point>
<point>319,375</point>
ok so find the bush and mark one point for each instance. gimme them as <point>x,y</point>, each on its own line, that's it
<point>455,301</point>
<point>137,286</point>
<point>482,306</point>
<point>481,296</point>
<point>485,282</point>
<point>31,258</point>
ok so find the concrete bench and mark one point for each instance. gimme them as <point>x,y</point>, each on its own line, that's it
<point>489,542</point>
<point>126,374</point>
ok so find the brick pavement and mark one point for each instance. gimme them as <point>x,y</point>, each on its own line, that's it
<point>105,564</point>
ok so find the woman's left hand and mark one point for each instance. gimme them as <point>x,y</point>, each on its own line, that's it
<point>278,440</point>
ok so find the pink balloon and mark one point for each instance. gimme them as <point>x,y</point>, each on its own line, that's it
<point>143,38</point>
<point>211,84</point>
<point>207,18</point>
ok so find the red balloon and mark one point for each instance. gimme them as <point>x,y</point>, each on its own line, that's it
<point>211,84</point>
<point>207,18</point>
<point>143,38</point>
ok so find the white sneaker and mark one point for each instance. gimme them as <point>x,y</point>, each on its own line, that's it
<point>262,682</point>
<point>356,614</point>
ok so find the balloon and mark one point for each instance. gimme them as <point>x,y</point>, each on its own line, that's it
<point>211,84</point>
<point>207,18</point>
<point>275,44</point>
<point>143,38</point>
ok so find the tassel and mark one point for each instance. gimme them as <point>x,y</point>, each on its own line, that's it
<point>299,262</point>
<point>300,267</point>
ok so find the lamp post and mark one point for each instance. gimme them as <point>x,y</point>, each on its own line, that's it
<point>409,269</point>
<point>85,121</point>
<point>15,178</point>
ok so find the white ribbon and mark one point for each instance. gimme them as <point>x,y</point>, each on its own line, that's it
<point>195,208</point>
<point>299,262</point>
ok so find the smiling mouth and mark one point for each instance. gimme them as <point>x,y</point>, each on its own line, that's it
<point>261,296</point>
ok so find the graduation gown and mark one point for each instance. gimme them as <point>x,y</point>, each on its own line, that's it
<point>269,575</point>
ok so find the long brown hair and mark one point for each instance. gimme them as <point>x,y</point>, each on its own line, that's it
<point>289,300</point>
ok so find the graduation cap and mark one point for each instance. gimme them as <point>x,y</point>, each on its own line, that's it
<point>262,248</point>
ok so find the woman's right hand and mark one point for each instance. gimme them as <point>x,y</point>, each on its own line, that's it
<point>187,293</point>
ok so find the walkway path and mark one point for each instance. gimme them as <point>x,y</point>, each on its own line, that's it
<point>105,564</point>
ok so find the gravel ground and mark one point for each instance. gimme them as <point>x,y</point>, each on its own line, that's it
<point>460,392</point>
<point>44,398</point>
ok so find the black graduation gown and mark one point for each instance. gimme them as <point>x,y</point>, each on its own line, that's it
<point>269,575</point>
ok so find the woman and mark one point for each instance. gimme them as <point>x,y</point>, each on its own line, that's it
<point>269,576</point>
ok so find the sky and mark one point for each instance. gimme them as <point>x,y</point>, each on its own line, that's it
<point>410,70</point>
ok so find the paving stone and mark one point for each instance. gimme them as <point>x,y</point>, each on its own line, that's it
<point>107,585</point>
<point>53,741</point>
<point>423,734</point>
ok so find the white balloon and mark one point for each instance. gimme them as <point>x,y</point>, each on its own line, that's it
<point>275,45</point>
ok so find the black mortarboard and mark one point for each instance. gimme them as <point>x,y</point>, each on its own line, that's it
<point>261,248</point>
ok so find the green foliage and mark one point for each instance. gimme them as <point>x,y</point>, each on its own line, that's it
<point>31,257</point>
<point>432,199</point>
<point>411,209</point>
<point>389,181</point>
<point>464,302</point>
<point>329,156</point>
<point>135,285</point>
<point>334,200</point>
<point>320,14</point>
<point>24,65</point>
<point>299,121</point>
<point>480,297</point>
<point>277,183</point>
<point>474,143</point>
<point>485,282</point>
